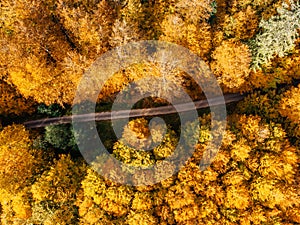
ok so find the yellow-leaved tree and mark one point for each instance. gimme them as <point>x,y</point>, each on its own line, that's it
<point>12,102</point>
<point>186,24</point>
<point>16,162</point>
<point>17,167</point>
<point>231,64</point>
<point>289,107</point>
<point>47,46</point>
<point>54,192</point>
<point>289,104</point>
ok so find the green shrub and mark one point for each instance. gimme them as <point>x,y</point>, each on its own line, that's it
<point>60,136</point>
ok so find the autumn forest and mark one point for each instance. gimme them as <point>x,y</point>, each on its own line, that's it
<point>251,47</point>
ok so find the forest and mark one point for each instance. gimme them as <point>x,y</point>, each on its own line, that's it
<point>252,47</point>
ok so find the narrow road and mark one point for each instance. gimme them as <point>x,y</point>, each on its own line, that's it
<point>122,114</point>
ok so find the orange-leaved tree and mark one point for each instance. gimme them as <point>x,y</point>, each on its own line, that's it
<point>231,64</point>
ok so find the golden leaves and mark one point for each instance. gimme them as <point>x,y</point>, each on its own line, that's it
<point>15,206</point>
<point>12,102</point>
<point>231,63</point>
<point>186,213</point>
<point>141,218</point>
<point>237,197</point>
<point>268,192</point>
<point>194,10</point>
<point>123,33</point>
<point>179,195</point>
<point>275,167</point>
<point>90,213</point>
<point>16,162</point>
<point>136,133</point>
<point>289,105</point>
<point>90,29</point>
<point>30,76</point>
<point>252,128</point>
<point>142,201</point>
<point>93,186</point>
<point>196,37</point>
<point>60,183</point>
<point>240,150</point>
<point>241,25</point>
<point>132,157</point>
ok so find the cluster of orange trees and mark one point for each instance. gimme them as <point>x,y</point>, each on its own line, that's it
<point>251,46</point>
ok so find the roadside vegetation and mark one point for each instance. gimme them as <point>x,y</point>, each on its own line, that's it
<point>251,46</point>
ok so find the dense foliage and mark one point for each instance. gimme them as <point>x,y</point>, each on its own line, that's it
<point>251,46</point>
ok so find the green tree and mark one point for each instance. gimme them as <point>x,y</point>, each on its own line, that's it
<point>60,136</point>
